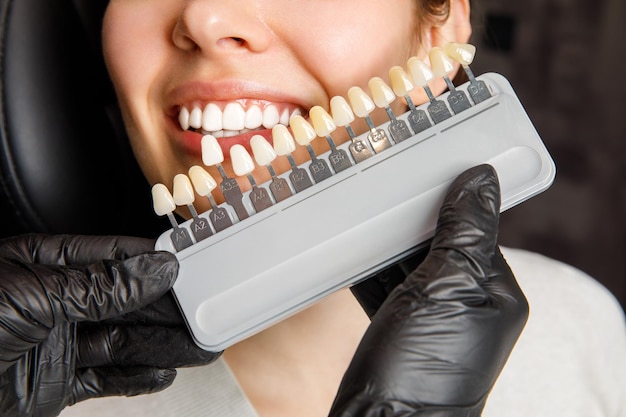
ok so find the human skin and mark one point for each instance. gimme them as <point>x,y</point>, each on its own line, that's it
<point>293,53</point>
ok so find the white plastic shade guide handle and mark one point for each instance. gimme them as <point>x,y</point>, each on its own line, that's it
<point>202,181</point>
<point>163,200</point>
<point>400,81</point>
<point>211,151</point>
<point>323,122</point>
<point>341,111</point>
<point>361,103</point>
<point>440,62</point>
<point>183,190</point>
<point>463,53</point>
<point>284,143</point>
<point>263,152</point>
<point>302,130</point>
<point>419,71</point>
<point>382,94</point>
<point>241,159</point>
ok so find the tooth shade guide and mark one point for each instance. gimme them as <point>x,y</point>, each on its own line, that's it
<point>324,125</point>
<point>204,184</point>
<point>243,166</point>
<point>212,155</point>
<point>362,105</point>
<point>383,97</point>
<point>264,154</point>
<point>164,205</point>
<point>304,133</point>
<point>284,144</point>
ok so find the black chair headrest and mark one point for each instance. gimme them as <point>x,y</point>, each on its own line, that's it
<point>65,162</point>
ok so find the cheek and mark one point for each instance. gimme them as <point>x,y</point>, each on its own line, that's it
<point>351,46</point>
<point>133,49</point>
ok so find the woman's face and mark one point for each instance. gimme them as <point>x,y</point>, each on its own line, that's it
<point>243,57</point>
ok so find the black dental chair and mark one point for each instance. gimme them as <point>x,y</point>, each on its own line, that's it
<point>65,162</point>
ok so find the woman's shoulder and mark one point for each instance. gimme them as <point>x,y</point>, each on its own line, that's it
<point>550,280</point>
<point>570,360</point>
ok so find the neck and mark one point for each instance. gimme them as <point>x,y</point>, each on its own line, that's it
<point>300,360</point>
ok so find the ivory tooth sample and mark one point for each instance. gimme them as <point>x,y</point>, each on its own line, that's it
<point>343,116</point>
<point>304,133</point>
<point>212,156</point>
<point>243,166</point>
<point>362,105</point>
<point>464,53</point>
<point>324,125</point>
<point>264,154</point>
<point>164,205</point>
<point>421,75</point>
<point>284,145</point>
<point>204,184</point>
<point>442,65</point>
<point>402,86</point>
<point>184,196</point>
<point>383,96</point>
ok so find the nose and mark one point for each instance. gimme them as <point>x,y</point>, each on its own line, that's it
<point>221,27</point>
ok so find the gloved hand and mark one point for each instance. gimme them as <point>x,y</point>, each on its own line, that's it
<point>437,344</point>
<point>84,317</point>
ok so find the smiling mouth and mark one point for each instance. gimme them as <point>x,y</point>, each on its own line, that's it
<point>227,119</point>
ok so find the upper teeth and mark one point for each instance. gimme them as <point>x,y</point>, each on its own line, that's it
<point>233,119</point>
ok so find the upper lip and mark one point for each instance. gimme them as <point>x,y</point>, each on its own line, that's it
<point>226,91</point>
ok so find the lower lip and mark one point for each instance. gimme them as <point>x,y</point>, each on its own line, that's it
<point>191,142</point>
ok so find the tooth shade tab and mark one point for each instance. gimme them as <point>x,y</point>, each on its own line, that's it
<point>341,111</point>
<point>400,81</point>
<point>162,199</point>
<point>202,181</point>
<point>263,152</point>
<point>211,151</point>
<point>302,130</point>
<point>284,143</point>
<point>420,72</point>
<point>183,190</point>
<point>323,122</point>
<point>361,103</point>
<point>382,94</point>
<point>242,161</point>
<point>463,53</point>
<point>440,62</point>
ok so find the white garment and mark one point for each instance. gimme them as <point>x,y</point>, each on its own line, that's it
<point>570,360</point>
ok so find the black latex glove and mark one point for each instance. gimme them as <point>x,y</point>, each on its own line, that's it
<point>84,317</point>
<point>437,344</point>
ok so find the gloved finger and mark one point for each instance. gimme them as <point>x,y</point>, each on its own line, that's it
<point>72,249</point>
<point>99,291</point>
<point>465,238</point>
<point>111,381</point>
<point>163,312</point>
<point>159,347</point>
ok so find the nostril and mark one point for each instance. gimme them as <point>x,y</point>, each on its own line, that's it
<point>231,42</point>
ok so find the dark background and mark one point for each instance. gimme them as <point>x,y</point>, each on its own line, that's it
<point>565,59</point>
